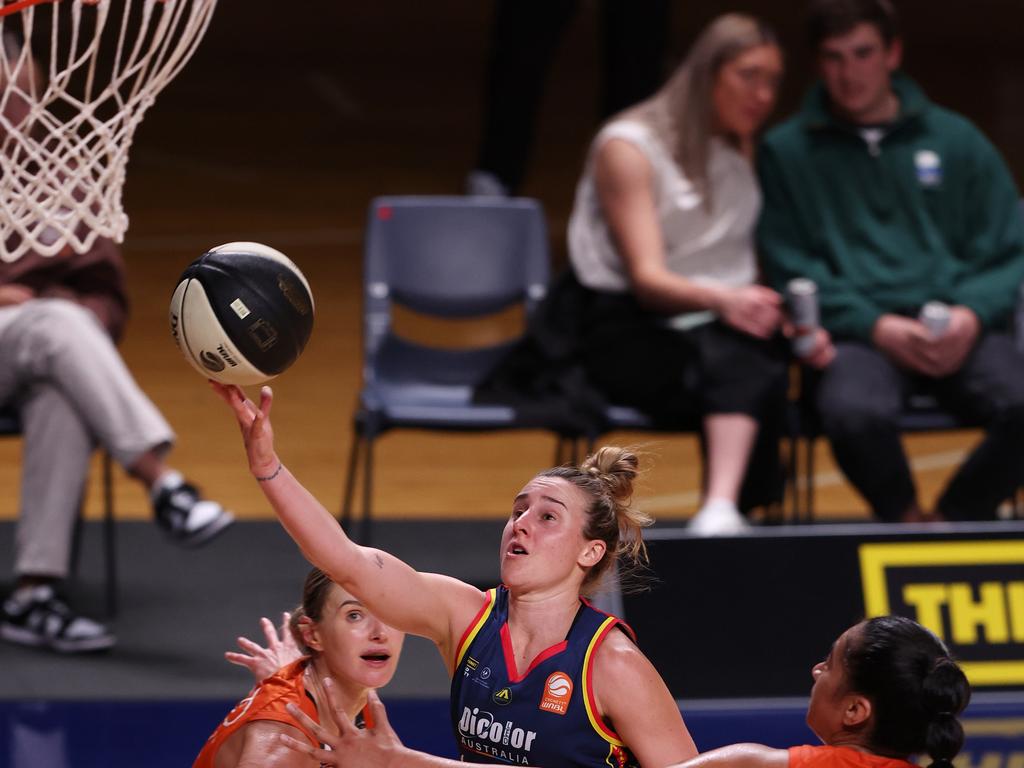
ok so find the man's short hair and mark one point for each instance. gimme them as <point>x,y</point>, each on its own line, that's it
<point>830,18</point>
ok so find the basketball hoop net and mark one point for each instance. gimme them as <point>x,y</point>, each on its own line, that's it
<point>77,77</point>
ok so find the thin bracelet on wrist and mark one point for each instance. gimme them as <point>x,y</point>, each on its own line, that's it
<point>272,475</point>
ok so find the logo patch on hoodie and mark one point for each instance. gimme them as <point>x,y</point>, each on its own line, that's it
<point>928,165</point>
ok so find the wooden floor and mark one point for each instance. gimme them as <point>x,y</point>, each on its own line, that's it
<point>284,142</point>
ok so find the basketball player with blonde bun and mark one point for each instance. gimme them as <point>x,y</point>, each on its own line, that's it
<point>539,677</point>
<point>342,642</point>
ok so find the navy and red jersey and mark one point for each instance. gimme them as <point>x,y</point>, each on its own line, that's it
<point>547,717</point>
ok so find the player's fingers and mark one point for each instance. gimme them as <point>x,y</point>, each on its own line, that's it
<point>233,396</point>
<point>379,714</point>
<point>266,400</point>
<point>240,659</point>
<point>318,730</point>
<point>320,755</point>
<point>341,718</point>
<point>250,647</point>
<point>269,632</point>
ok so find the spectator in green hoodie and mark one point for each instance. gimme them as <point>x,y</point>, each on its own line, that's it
<point>888,201</point>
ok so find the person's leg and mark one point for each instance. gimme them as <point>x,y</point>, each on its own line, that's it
<point>730,437</point>
<point>860,397</point>
<point>989,387</point>
<point>62,343</point>
<point>634,38</point>
<point>741,379</point>
<point>55,461</point>
<point>524,38</point>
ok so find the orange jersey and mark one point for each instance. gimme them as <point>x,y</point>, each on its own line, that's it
<point>840,757</point>
<point>265,702</point>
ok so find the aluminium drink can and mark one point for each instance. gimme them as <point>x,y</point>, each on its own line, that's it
<point>802,298</point>
<point>935,317</point>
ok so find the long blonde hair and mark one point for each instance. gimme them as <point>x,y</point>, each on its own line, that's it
<point>681,113</point>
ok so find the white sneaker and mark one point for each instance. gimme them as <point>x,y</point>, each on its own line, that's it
<point>485,184</point>
<point>36,617</point>
<point>186,517</point>
<point>718,517</point>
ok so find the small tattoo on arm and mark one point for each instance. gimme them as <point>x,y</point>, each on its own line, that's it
<point>379,560</point>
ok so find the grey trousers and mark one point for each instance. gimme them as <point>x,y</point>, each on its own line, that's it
<point>61,371</point>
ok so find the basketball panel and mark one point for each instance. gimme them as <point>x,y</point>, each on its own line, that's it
<point>262,304</point>
<point>205,343</point>
<point>244,247</point>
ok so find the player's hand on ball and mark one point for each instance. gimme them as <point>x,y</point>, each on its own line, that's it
<point>257,433</point>
<point>376,746</point>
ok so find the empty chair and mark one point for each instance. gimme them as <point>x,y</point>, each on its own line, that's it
<point>445,257</point>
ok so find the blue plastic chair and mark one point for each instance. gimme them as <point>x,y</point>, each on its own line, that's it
<point>10,426</point>
<point>444,257</point>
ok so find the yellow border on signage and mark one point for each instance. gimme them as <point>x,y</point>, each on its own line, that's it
<point>1011,727</point>
<point>875,558</point>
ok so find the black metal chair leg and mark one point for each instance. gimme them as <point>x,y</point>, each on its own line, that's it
<point>350,480</point>
<point>364,532</point>
<point>109,536</point>
<point>793,476</point>
<point>809,479</point>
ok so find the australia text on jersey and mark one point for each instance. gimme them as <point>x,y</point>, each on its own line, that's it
<point>480,732</point>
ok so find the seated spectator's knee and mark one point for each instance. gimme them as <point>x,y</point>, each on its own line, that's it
<point>1010,417</point>
<point>62,319</point>
<point>53,327</point>
<point>855,421</point>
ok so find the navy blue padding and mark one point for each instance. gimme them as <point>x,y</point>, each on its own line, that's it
<point>456,256</point>
<point>280,322</point>
<point>452,257</point>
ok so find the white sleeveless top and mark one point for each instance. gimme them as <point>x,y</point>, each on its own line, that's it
<point>715,247</point>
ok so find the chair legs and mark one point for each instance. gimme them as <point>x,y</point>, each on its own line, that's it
<point>567,450</point>
<point>110,587</point>
<point>361,450</point>
<point>350,481</point>
<point>364,528</point>
<point>109,535</point>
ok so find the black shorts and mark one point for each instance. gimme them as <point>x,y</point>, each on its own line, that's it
<point>634,359</point>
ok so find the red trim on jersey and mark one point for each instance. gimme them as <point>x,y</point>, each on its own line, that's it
<point>621,624</point>
<point>588,686</point>
<point>510,656</point>
<point>474,626</point>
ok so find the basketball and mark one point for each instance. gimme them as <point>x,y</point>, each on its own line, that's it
<point>241,313</point>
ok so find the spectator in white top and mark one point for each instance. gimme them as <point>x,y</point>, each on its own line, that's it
<point>661,235</point>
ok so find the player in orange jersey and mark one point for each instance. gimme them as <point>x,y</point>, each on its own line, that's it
<point>349,652</point>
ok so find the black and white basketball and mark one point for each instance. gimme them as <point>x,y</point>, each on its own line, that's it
<point>242,313</point>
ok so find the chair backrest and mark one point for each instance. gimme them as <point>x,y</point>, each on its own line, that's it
<point>454,257</point>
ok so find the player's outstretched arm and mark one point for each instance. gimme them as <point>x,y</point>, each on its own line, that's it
<point>740,756</point>
<point>429,605</point>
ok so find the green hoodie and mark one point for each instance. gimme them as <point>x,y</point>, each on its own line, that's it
<point>929,212</point>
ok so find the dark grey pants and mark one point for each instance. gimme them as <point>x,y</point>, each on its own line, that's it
<point>861,394</point>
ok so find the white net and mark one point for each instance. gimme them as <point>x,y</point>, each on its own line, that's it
<point>77,77</point>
